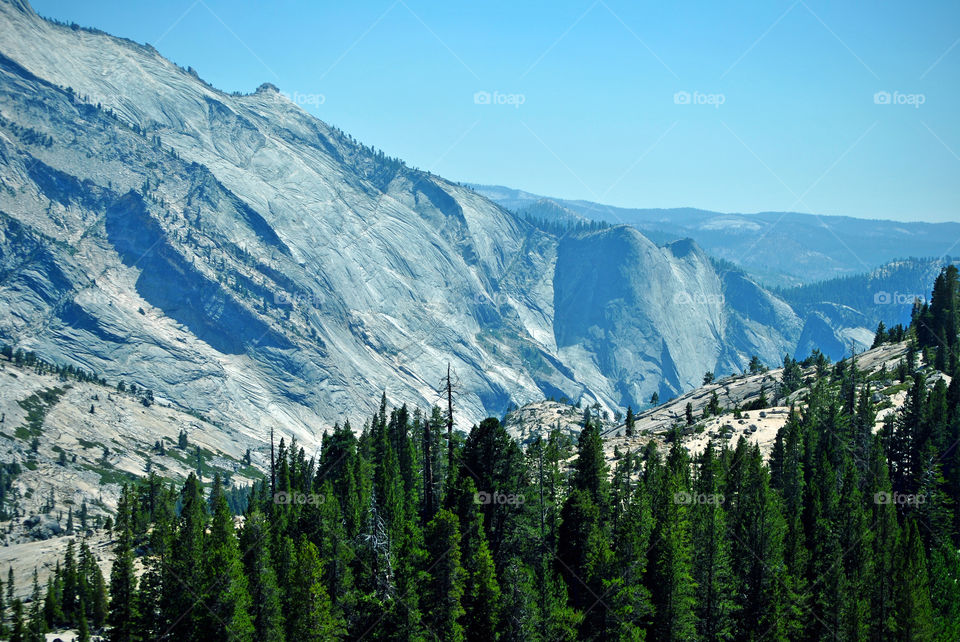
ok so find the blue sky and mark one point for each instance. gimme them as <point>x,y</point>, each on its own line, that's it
<point>748,106</point>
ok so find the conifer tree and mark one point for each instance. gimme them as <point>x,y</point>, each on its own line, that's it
<point>18,628</point>
<point>92,586</point>
<point>671,574</point>
<point>226,602</point>
<point>186,572</point>
<point>37,626</point>
<point>265,610</point>
<point>711,551</point>
<point>914,611</point>
<point>311,619</point>
<point>444,606</point>
<point>123,616</point>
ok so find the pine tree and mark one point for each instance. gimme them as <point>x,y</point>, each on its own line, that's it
<point>914,611</point>
<point>123,615</point>
<point>37,626</point>
<point>311,619</point>
<point>184,582</point>
<point>711,552</point>
<point>225,597</point>
<point>627,594</point>
<point>671,574</point>
<point>444,606</point>
<point>93,588</point>
<point>52,614</point>
<point>157,582</point>
<point>757,532</point>
<point>590,468</point>
<point>481,595</point>
<point>3,612</point>
<point>71,584</point>
<point>267,617</point>
<point>18,628</point>
<point>882,581</point>
<point>880,336</point>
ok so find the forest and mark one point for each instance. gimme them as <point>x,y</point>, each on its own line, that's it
<point>407,530</point>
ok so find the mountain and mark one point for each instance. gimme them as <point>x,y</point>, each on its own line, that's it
<point>739,391</point>
<point>241,257</point>
<point>846,311</point>
<point>779,248</point>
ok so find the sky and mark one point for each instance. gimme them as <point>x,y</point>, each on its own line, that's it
<point>765,105</point>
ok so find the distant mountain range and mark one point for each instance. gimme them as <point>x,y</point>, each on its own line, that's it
<point>779,248</point>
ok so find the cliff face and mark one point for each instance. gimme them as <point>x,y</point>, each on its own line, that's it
<point>248,260</point>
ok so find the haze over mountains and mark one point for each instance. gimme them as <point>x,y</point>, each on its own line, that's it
<point>241,257</point>
<point>780,248</point>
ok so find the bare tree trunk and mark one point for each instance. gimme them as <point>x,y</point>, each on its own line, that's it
<point>449,419</point>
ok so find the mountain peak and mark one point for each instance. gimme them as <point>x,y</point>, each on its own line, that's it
<point>21,5</point>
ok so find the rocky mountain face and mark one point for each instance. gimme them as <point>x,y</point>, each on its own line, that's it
<point>238,256</point>
<point>780,248</point>
<point>733,392</point>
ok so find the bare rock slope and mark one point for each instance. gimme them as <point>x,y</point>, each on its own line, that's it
<point>237,254</point>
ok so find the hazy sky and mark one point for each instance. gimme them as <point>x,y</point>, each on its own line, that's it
<point>746,106</point>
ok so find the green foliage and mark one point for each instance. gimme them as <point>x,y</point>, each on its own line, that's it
<point>389,534</point>
<point>37,405</point>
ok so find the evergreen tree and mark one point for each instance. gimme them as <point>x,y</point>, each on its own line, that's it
<point>18,628</point>
<point>36,626</point>
<point>711,552</point>
<point>671,577</point>
<point>226,602</point>
<point>184,584</point>
<point>264,593</point>
<point>312,618</point>
<point>914,610</point>
<point>445,610</point>
<point>123,616</point>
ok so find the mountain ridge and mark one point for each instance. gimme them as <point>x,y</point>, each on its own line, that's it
<point>780,248</point>
<point>239,254</point>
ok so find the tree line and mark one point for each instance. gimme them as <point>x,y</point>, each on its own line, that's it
<point>407,530</point>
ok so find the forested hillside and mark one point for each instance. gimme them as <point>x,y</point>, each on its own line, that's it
<point>408,531</point>
<point>885,294</point>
